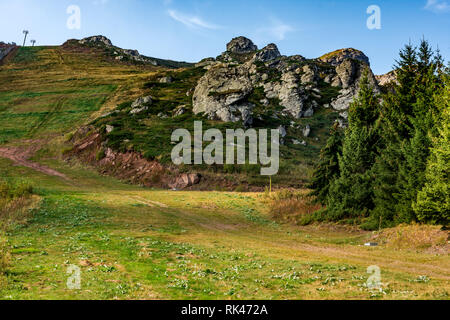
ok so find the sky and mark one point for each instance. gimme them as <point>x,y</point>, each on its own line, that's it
<point>190,30</point>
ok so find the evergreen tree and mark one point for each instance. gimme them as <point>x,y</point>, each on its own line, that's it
<point>351,195</point>
<point>407,119</point>
<point>433,201</point>
<point>328,168</point>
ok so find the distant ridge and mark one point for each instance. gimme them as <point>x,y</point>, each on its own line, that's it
<point>125,55</point>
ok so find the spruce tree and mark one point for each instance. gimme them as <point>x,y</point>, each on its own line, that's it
<point>433,201</point>
<point>351,195</point>
<point>327,169</point>
<point>406,123</point>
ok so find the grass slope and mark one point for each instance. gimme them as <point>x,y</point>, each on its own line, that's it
<point>47,91</point>
<point>151,244</point>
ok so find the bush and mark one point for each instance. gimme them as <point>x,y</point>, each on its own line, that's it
<point>293,206</point>
<point>413,236</point>
<point>4,255</point>
<point>10,190</point>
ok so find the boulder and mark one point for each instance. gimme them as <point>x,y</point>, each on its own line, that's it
<point>167,79</point>
<point>142,101</point>
<point>141,104</point>
<point>185,181</point>
<point>282,131</point>
<point>180,110</point>
<point>109,128</point>
<point>307,131</point>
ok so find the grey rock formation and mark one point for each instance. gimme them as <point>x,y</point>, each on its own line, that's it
<point>307,131</point>
<point>337,57</point>
<point>282,131</point>
<point>5,49</point>
<point>185,181</point>
<point>270,52</point>
<point>166,80</point>
<point>109,128</point>
<point>309,74</point>
<point>97,41</point>
<point>141,104</point>
<point>142,101</point>
<point>350,74</point>
<point>180,110</point>
<point>346,72</point>
<point>388,78</point>
<point>223,93</point>
<point>241,45</point>
<point>120,54</point>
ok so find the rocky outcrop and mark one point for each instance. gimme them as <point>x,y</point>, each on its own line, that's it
<point>335,58</point>
<point>141,105</point>
<point>185,181</point>
<point>119,53</point>
<point>221,94</point>
<point>349,74</point>
<point>388,78</point>
<point>5,49</point>
<point>268,53</point>
<point>224,92</point>
<point>241,45</point>
<point>96,41</point>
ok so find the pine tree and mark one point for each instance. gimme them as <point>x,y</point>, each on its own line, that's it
<point>328,168</point>
<point>406,122</point>
<point>351,195</point>
<point>433,201</point>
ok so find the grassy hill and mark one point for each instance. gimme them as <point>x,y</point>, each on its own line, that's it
<point>49,91</point>
<point>140,243</point>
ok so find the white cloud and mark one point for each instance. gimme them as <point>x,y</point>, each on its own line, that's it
<point>191,21</point>
<point>438,5</point>
<point>277,30</point>
<point>100,2</point>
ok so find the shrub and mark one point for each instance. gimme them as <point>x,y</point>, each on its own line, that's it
<point>11,190</point>
<point>293,206</point>
<point>4,254</point>
<point>100,155</point>
<point>413,236</point>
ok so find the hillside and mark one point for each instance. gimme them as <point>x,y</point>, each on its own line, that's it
<point>301,97</point>
<point>69,127</point>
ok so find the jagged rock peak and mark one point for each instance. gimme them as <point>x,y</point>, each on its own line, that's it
<point>270,52</point>
<point>241,45</point>
<point>337,57</point>
<point>97,40</point>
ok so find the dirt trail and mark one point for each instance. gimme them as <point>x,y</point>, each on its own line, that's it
<point>20,157</point>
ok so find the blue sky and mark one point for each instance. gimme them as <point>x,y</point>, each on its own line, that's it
<point>190,30</point>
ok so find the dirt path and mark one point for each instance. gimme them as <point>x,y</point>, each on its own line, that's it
<point>20,157</point>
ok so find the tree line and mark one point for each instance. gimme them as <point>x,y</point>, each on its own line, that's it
<point>391,165</point>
